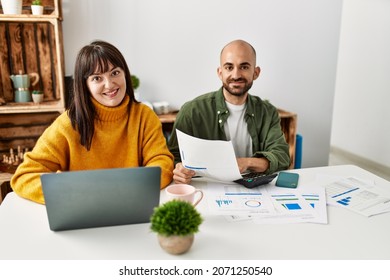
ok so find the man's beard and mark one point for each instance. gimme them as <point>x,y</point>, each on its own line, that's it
<point>237,91</point>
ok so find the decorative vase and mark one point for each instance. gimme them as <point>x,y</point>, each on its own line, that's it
<point>37,10</point>
<point>12,7</point>
<point>176,244</point>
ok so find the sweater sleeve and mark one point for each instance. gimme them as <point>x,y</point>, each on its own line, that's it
<point>46,157</point>
<point>154,148</point>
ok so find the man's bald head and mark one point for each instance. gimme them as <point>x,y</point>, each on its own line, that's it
<point>242,45</point>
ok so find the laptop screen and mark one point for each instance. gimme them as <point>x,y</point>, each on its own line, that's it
<point>104,197</point>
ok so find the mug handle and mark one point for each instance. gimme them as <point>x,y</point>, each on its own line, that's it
<point>36,78</point>
<point>199,198</point>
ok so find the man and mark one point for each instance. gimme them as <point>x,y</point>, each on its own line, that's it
<point>231,113</point>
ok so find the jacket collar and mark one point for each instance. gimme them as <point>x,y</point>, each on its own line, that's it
<point>223,111</point>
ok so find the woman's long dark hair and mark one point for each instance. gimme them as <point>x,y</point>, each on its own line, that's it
<point>93,57</point>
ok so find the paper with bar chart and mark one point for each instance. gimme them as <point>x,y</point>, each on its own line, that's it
<point>235,199</point>
<point>296,206</point>
<point>267,204</point>
<point>358,196</point>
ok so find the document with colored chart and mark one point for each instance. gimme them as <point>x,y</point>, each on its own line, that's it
<point>358,196</point>
<point>303,205</point>
<point>267,205</point>
<point>234,199</point>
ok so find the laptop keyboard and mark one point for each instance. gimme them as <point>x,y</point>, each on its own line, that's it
<point>254,179</point>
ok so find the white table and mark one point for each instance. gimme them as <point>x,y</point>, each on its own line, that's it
<point>25,234</point>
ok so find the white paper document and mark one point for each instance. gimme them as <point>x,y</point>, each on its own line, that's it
<point>208,158</point>
<point>238,200</point>
<point>358,196</point>
<point>297,205</point>
<point>267,205</point>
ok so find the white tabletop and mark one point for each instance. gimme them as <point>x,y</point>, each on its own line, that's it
<point>25,234</point>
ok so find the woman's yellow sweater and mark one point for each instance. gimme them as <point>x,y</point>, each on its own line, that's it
<point>121,139</point>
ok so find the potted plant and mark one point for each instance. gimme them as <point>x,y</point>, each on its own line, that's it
<point>36,7</point>
<point>175,223</point>
<point>12,7</point>
<point>135,81</point>
<point>37,96</point>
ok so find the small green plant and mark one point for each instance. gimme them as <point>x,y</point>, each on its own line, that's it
<point>135,81</point>
<point>37,2</point>
<point>175,217</point>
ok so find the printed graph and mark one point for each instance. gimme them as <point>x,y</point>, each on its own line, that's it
<point>312,199</point>
<point>253,203</point>
<point>288,201</point>
<point>345,201</point>
<point>238,203</point>
<point>292,206</point>
<point>223,202</point>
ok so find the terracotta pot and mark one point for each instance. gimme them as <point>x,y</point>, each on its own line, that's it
<point>175,244</point>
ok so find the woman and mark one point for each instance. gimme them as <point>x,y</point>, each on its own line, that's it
<point>105,127</point>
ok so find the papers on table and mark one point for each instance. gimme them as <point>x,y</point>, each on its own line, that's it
<point>208,158</point>
<point>235,199</point>
<point>267,204</point>
<point>216,160</point>
<point>358,196</point>
<point>298,205</point>
<point>272,205</point>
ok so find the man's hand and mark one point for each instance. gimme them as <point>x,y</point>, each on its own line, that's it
<point>182,175</point>
<point>253,164</point>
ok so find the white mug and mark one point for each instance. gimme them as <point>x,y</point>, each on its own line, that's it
<point>184,192</point>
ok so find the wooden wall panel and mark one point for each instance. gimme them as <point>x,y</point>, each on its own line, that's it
<point>46,57</point>
<point>31,57</point>
<point>5,85</point>
<point>30,47</point>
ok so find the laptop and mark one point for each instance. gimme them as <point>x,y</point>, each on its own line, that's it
<point>99,198</point>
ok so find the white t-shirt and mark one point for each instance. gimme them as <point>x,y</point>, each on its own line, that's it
<point>236,130</point>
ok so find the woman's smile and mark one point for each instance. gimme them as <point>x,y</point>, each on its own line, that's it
<point>108,88</point>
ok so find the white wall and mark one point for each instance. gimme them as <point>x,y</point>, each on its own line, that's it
<point>174,45</point>
<point>361,118</point>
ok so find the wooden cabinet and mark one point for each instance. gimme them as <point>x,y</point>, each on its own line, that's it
<point>33,44</point>
<point>167,121</point>
<point>288,122</point>
<point>5,186</point>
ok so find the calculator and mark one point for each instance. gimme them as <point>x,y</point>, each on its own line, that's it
<point>254,179</point>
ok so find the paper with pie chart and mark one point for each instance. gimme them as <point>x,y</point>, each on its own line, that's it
<point>235,199</point>
<point>267,205</point>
